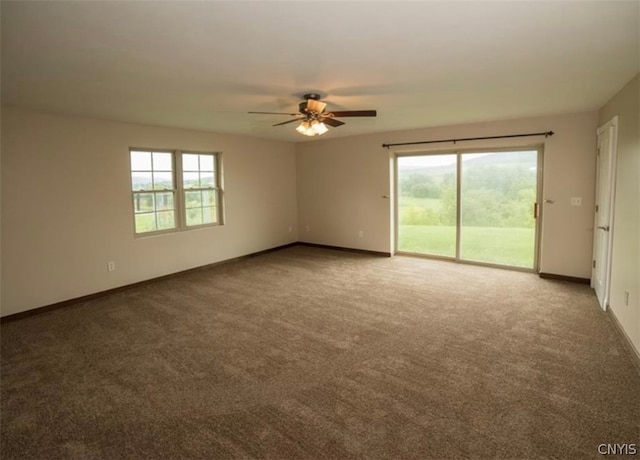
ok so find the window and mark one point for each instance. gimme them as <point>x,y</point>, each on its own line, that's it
<point>154,191</point>
<point>174,190</point>
<point>200,193</point>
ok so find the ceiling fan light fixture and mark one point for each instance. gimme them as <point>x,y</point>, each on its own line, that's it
<point>312,128</point>
<point>304,128</point>
<point>319,127</point>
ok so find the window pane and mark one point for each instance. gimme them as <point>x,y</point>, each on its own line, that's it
<point>162,161</point>
<point>145,223</point>
<point>209,198</point>
<point>141,181</point>
<point>207,180</point>
<point>209,215</point>
<point>166,220</point>
<point>194,216</point>
<point>497,195</point>
<point>162,180</point>
<point>143,202</point>
<point>427,204</point>
<point>140,161</point>
<point>191,180</point>
<point>193,199</point>
<point>206,162</point>
<point>189,162</point>
<point>164,201</point>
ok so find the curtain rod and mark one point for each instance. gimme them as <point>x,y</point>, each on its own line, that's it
<point>545,134</point>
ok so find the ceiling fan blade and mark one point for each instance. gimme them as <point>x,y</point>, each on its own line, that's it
<point>355,113</point>
<point>276,113</point>
<point>315,106</point>
<point>289,121</point>
<point>331,122</point>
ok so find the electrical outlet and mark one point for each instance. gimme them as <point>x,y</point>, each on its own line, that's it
<point>361,233</point>
<point>576,201</point>
<point>626,297</point>
<point>308,229</point>
<point>111,266</point>
<point>290,228</point>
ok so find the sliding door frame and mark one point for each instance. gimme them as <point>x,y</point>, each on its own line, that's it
<point>539,148</point>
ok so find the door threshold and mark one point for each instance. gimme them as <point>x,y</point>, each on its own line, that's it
<point>466,262</point>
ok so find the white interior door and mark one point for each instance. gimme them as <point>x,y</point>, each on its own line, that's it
<point>603,231</point>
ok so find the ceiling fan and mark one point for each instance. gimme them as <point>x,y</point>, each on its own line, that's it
<point>314,119</point>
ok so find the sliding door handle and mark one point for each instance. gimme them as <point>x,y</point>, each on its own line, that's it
<point>604,227</point>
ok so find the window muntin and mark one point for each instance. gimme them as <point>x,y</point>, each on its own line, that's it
<point>166,184</point>
<point>154,191</point>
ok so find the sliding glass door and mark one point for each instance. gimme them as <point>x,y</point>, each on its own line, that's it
<point>476,206</point>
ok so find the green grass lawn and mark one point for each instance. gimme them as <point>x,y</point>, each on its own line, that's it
<point>426,203</point>
<point>504,246</point>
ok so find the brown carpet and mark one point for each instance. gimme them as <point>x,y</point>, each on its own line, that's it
<point>312,353</point>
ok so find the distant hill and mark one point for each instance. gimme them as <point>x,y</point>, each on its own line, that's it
<point>527,159</point>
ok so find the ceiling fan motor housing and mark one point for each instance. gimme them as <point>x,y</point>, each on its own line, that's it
<point>303,105</point>
<point>314,96</point>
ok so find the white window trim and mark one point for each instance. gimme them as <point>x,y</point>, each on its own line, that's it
<point>180,215</point>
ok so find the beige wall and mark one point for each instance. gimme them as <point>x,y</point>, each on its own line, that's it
<point>625,269</point>
<point>67,208</point>
<point>341,183</point>
<point>58,249</point>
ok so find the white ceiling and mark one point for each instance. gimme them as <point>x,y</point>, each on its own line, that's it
<point>203,65</point>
